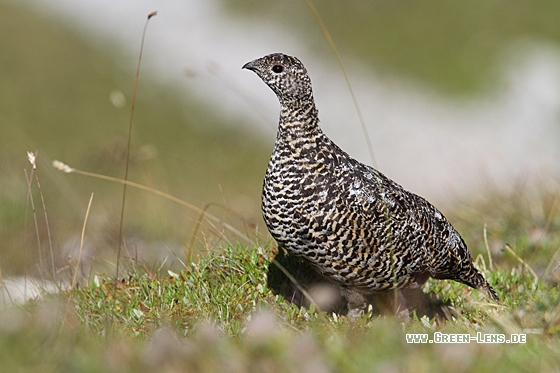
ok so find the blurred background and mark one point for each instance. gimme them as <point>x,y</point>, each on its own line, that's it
<point>459,99</point>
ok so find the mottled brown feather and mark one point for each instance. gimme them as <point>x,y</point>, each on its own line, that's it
<point>357,227</point>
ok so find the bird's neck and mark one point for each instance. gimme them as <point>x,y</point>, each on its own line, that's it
<point>299,118</point>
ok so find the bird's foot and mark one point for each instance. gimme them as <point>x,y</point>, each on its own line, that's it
<point>357,303</point>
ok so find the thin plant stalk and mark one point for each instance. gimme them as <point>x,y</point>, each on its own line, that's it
<point>133,104</point>
<point>65,168</point>
<point>30,199</point>
<point>82,242</point>
<point>32,159</point>
<point>335,51</point>
<point>77,263</point>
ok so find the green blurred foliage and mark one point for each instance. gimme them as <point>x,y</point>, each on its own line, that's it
<point>62,95</point>
<point>453,46</point>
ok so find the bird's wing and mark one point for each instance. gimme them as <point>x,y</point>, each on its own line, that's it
<point>409,219</point>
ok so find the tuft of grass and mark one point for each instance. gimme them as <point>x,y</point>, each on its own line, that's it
<point>220,287</point>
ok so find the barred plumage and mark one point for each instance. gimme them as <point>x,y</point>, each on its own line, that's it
<point>357,227</point>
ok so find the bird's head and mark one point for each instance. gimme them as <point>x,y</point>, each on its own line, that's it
<point>285,75</point>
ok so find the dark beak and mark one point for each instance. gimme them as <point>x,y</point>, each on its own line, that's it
<point>250,66</point>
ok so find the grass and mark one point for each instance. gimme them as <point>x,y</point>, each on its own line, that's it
<point>218,314</point>
<point>217,310</point>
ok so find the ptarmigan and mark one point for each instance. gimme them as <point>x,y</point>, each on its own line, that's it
<point>357,227</point>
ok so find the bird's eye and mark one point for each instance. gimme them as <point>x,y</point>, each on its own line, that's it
<point>277,69</point>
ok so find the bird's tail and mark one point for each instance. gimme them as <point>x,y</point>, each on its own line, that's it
<point>477,281</point>
<point>489,291</point>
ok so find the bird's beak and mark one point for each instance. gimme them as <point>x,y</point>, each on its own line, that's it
<point>250,66</point>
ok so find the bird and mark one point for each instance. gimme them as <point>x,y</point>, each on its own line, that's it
<point>355,226</point>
